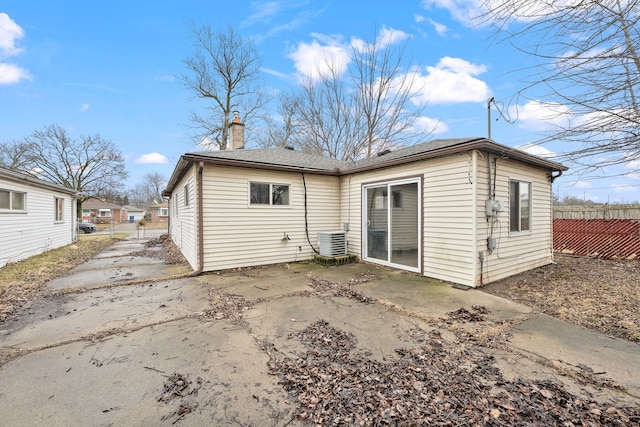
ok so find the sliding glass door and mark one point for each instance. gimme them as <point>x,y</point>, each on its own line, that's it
<point>392,223</point>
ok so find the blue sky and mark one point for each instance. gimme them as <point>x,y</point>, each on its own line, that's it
<point>110,68</point>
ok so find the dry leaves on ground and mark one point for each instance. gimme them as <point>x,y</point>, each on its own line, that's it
<point>432,382</point>
<point>599,294</point>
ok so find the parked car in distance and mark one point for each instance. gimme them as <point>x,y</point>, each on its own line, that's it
<point>86,227</point>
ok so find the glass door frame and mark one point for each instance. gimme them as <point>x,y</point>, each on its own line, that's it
<point>388,185</point>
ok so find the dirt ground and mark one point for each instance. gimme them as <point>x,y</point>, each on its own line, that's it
<point>598,294</point>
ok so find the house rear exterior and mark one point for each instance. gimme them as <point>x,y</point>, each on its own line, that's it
<point>467,211</point>
<point>35,216</point>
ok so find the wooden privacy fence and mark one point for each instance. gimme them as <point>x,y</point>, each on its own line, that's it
<point>605,211</point>
<point>604,238</point>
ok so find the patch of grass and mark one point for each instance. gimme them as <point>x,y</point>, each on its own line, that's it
<point>21,281</point>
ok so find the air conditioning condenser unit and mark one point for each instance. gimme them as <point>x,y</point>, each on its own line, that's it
<point>332,243</point>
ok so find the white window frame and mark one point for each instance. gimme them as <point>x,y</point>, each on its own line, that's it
<point>186,194</point>
<point>12,194</point>
<point>271,203</point>
<point>101,211</point>
<point>162,212</point>
<point>515,206</point>
<point>59,209</point>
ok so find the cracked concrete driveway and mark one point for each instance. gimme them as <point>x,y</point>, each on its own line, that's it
<point>127,340</point>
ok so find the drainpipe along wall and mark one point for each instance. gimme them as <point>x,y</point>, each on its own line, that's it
<point>199,229</point>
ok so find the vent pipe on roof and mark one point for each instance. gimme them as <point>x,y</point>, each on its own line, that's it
<point>382,153</point>
<point>237,132</point>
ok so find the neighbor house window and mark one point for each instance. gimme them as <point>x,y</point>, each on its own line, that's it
<point>163,211</point>
<point>186,195</point>
<point>104,212</point>
<point>519,206</point>
<point>12,200</point>
<point>269,194</point>
<point>59,209</point>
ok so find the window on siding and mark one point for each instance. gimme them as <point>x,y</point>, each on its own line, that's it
<point>269,194</point>
<point>519,206</point>
<point>12,200</point>
<point>186,195</point>
<point>59,209</point>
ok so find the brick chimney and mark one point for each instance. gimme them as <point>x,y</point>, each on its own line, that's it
<point>236,141</point>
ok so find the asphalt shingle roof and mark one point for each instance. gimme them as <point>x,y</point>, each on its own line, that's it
<point>277,157</point>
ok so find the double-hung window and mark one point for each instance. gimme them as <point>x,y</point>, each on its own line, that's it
<point>269,194</point>
<point>12,200</point>
<point>519,206</point>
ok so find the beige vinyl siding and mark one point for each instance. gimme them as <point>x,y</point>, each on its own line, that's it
<point>34,231</point>
<point>449,250</point>
<point>516,251</point>
<point>351,198</point>
<point>184,218</point>
<point>448,232</point>
<point>239,235</point>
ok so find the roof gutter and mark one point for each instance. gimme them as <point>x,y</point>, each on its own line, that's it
<point>200,211</point>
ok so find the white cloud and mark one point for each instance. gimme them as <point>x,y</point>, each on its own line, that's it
<point>540,116</point>
<point>537,150</point>
<point>428,124</point>
<point>471,12</point>
<point>152,158</point>
<point>9,33</point>
<point>418,18</point>
<point>264,12</point>
<point>451,81</point>
<point>441,29</point>
<point>325,54</point>
<point>84,107</point>
<point>10,73</point>
<point>461,10</point>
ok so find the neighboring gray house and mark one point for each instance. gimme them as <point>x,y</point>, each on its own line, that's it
<point>35,216</point>
<point>468,211</point>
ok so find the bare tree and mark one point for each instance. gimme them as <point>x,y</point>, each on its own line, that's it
<point>224,72</point>
<point>155,184</point>
<point>149,190</point>
<point>386,88</point>
<point>588,64</point>
<point>91,165</point>
<point>370,108</point>
<point>280,130</point>
<point>325,117</point>
<point>14,155</point>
